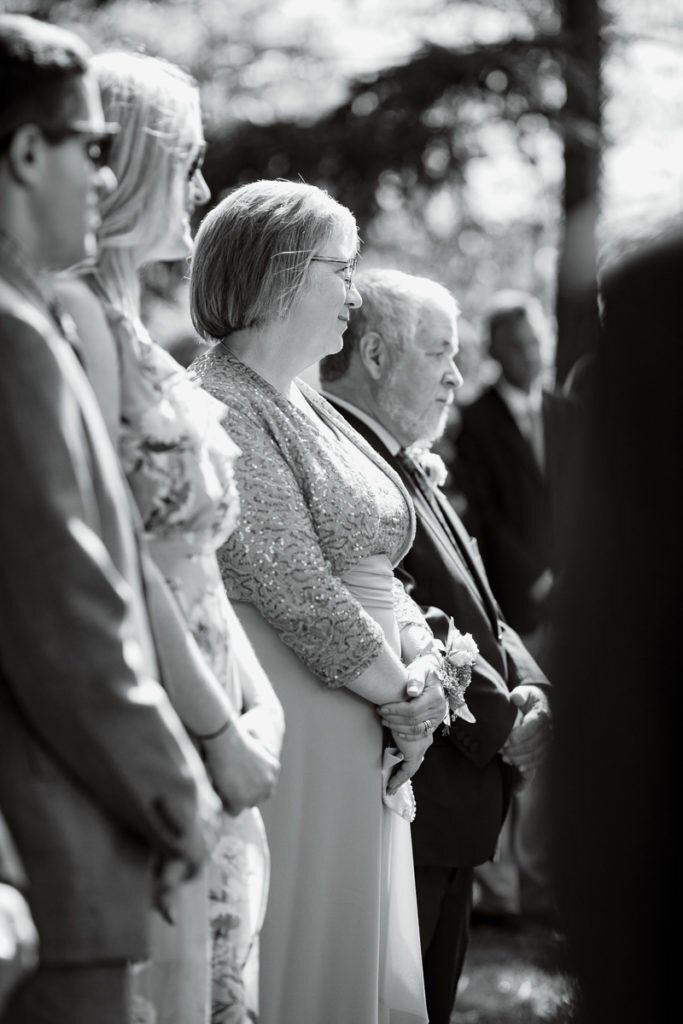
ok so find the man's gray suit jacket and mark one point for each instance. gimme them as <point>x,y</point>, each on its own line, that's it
<point>96,772</point>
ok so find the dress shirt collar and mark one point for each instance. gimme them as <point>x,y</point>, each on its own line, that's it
<point>387,439</point>
<point>520,402</point>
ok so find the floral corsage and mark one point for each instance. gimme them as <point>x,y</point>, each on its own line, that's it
<point>459,655</point>
<point>431,464</point>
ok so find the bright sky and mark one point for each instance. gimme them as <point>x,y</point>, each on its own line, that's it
<point>643,168</point>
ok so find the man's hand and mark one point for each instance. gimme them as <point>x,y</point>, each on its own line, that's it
<point>169,875</point>
<point>426,707</point>
<point>540,588</point>
<point>414,719</point>
<point>529,741</point>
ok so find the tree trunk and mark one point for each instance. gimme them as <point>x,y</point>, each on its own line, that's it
<point>576,303</point>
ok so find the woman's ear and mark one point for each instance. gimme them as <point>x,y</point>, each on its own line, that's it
<point>373,354</point>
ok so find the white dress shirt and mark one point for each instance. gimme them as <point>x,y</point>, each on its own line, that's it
<point>527,411</point>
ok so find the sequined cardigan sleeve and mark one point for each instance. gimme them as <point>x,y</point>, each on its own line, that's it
<point>274,560</point>
<point>292,542</point>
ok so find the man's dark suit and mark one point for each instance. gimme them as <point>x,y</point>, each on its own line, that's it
<point>515,507</point>
<point>96,772</point>
<point>463,788</point>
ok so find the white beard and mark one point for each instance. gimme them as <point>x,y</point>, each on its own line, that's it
<point>423,429</point>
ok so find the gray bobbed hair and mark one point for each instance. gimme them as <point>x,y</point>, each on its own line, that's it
<point>253,250</point>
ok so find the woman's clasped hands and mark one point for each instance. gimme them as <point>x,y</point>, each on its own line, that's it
<point>413,721</point>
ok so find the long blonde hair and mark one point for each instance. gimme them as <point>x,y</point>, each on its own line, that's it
<point>156,105</point>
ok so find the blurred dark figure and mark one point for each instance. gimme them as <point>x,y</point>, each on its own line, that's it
<point>513,464</point>
<point>512,451</point>
<point>617,657</point>
<point>579,381</point>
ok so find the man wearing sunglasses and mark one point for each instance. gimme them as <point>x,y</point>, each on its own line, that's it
<point>97,777</point>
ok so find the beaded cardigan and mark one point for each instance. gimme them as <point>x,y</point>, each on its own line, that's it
<point>311,508</point>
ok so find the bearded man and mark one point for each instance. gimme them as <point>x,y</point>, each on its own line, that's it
<point>393,380</point>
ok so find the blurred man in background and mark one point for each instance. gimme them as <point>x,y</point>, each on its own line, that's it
<point>512,452</point>
<point>515,455</point>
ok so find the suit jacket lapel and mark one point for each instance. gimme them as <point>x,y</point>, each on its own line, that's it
<point>523,445</point>
<point>465,545</point>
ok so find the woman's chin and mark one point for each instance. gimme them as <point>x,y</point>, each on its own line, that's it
<point>178,248</point>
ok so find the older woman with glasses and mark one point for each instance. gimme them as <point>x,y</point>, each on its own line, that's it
<point>309,572</point>
<point>179,464</point>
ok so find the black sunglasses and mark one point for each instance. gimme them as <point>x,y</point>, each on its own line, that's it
<point>97,141</point>
<point>197,163</point>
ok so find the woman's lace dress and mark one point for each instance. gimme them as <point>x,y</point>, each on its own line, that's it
<point>309,572</point>
<point>179,462</point>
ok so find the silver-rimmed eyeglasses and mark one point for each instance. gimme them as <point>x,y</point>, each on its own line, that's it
<point>349,266</point>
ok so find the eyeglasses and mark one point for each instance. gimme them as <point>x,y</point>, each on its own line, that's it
<point>198,162</point>
<point>349,265</point>
<point>97,139</point>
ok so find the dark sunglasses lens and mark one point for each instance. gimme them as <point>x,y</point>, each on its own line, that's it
<point>197,163</point>
<point>195,166</point>
<point>99,150</point>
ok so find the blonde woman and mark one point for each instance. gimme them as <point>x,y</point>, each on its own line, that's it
<point>179,464</point>
<point>309,569</point>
